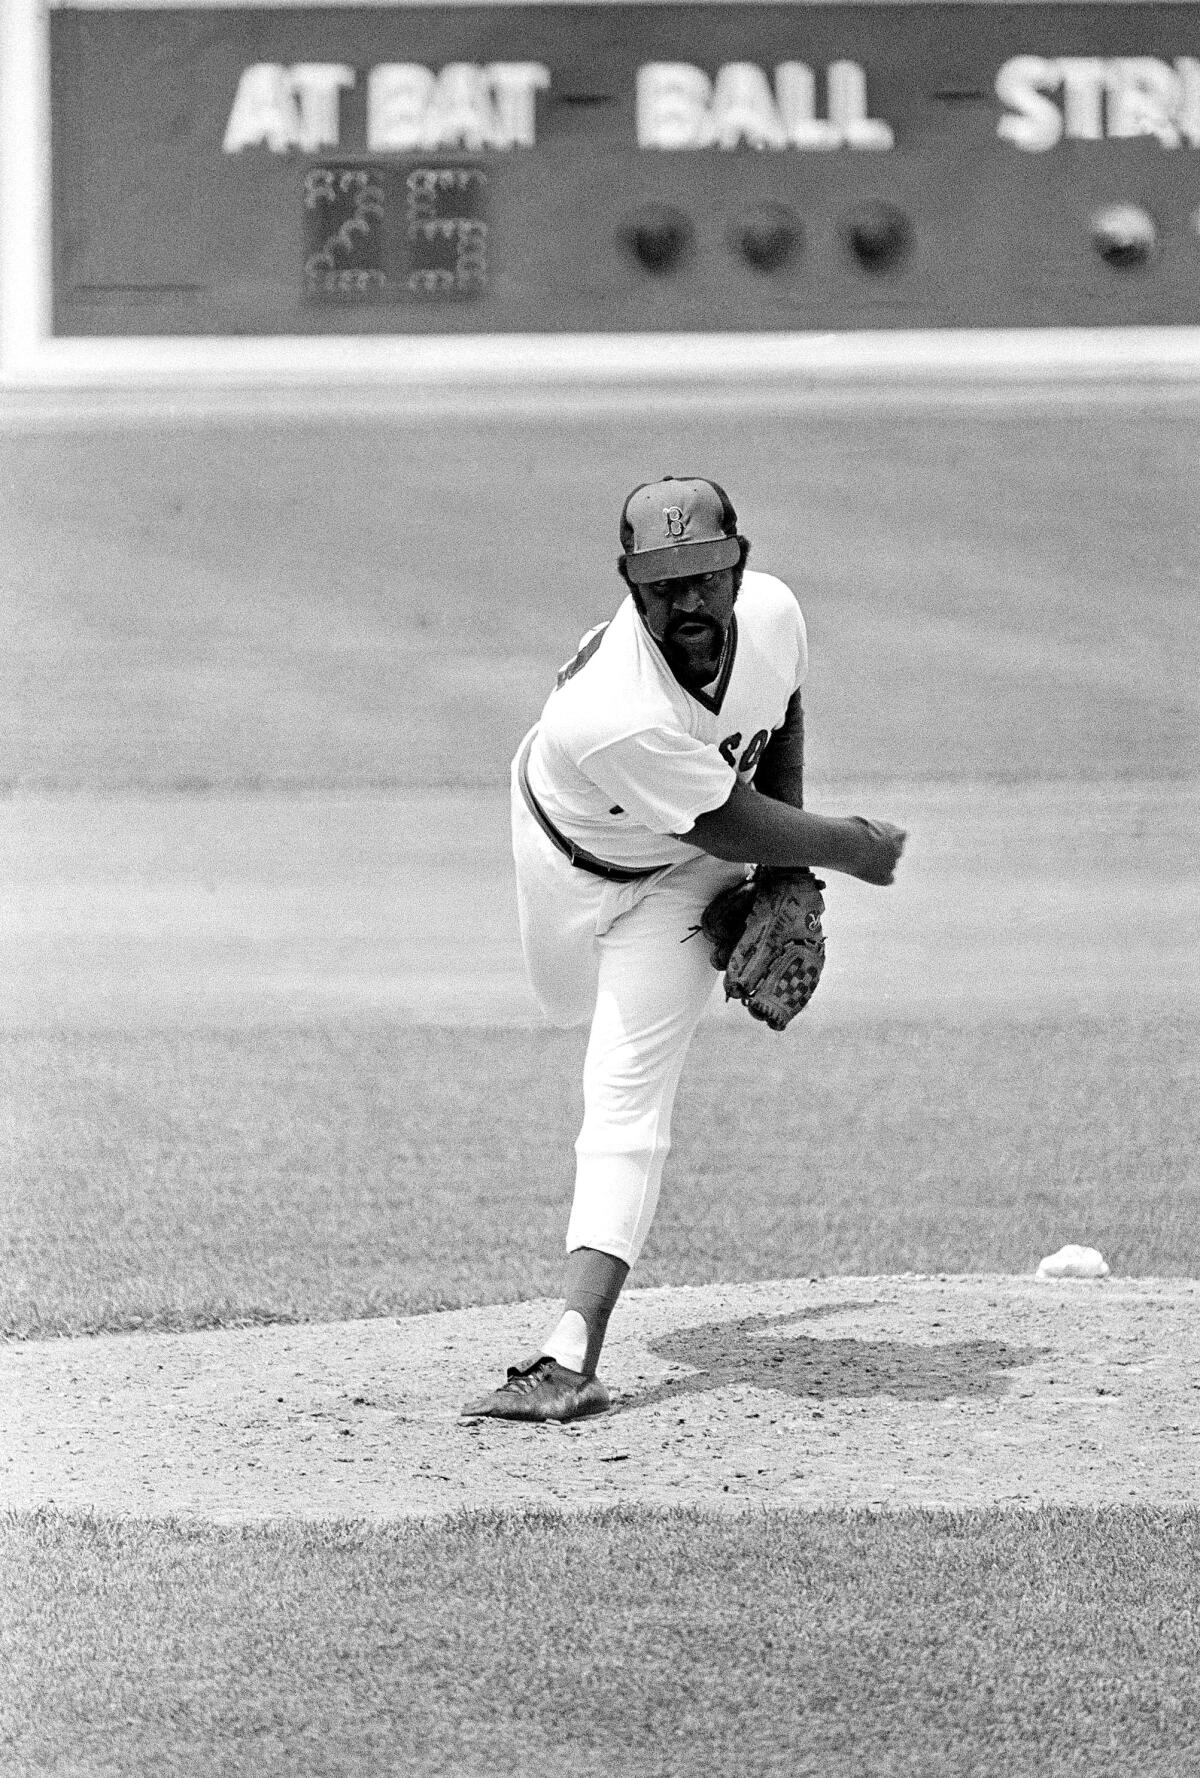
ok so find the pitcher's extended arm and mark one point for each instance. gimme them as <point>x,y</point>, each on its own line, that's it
<point>750,828</point>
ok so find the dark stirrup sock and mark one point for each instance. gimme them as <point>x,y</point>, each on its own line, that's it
<point>593,1284</point>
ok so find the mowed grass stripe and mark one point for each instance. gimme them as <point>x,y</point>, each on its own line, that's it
<point>195,1179</point>
<point>314,602</point>
<point>632,1642</point>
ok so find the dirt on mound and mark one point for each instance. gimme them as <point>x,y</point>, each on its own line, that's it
<point>830,1392</point>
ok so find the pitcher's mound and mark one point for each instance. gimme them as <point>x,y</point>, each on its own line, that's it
<point>830,1392</point>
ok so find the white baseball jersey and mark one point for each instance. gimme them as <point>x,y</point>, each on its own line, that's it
<point>625,759</point>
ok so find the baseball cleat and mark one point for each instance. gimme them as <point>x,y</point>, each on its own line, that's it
<point>543,1389</point>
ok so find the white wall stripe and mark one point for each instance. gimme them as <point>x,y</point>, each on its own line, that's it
<point>1077,355</point>
<point>24,181</point>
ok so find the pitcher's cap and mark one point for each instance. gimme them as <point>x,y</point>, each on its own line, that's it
<point>677,527</point>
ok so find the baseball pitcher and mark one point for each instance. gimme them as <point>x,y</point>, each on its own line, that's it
<point>659,833</point>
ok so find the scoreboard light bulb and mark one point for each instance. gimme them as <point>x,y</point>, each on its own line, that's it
<point>1124,234</point>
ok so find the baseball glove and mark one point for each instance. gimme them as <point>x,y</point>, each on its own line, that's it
<point>766,935</point>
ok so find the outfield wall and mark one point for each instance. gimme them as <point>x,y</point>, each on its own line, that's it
<point>464,190</point>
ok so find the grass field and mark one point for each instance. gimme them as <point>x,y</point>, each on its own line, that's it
<point>917,1645</point>
<point>178,1180</point>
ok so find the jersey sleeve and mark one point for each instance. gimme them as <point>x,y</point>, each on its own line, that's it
<point>792,633</point>
<point>801,650</point>
<point>662,778</point>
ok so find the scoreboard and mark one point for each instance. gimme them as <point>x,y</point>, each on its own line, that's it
<point>606,168</point>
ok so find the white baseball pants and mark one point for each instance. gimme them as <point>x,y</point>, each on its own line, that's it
<point>620,955</point>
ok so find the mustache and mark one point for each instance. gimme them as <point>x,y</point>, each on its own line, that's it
<point>693,617</point>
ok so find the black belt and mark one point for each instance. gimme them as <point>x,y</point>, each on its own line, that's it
<point>599,867</point>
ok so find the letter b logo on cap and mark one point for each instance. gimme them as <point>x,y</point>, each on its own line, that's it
<point>674,518</point>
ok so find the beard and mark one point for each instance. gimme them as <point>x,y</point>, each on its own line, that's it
<point>694,654</point>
